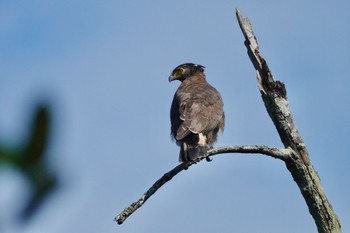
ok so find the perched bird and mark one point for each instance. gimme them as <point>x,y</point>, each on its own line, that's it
<point>196,112</point>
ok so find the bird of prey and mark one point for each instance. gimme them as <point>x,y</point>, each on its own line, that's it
<point>196,112</point>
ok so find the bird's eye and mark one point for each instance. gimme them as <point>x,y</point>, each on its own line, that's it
<point>179,71</point>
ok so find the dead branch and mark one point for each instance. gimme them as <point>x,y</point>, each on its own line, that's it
<point>274,95</point>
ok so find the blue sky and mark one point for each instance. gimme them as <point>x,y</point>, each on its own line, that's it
<point>103,67</point>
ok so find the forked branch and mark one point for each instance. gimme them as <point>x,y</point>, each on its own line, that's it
<point>295,154</point>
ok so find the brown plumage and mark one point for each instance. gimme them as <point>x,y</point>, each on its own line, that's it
<point>196,112</point>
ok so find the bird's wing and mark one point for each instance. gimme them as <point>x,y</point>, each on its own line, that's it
<point>201,112</point>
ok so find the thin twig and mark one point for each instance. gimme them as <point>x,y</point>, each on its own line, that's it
<point>282,154</point>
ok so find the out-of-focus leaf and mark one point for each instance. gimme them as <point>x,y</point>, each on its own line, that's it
<point>33,161</point>
<point>43,184</point>
<point>38,137</point>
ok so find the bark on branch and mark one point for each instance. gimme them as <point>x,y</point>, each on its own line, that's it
<point>282,154</point>
<point>274,95</point>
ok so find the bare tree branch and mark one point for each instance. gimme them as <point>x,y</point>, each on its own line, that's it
<point>282,154</point>
<point>274,95</point>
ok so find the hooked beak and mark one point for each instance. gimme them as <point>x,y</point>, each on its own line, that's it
<point>171,78</point>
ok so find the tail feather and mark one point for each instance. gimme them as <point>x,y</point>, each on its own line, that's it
<point>190,152</point>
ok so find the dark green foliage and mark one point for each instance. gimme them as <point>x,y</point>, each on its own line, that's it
<point>31,160</point>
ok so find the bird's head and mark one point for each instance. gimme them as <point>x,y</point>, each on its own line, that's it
<point>184,71</point>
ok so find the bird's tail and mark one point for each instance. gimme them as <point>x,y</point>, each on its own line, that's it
<point>190,152</point>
